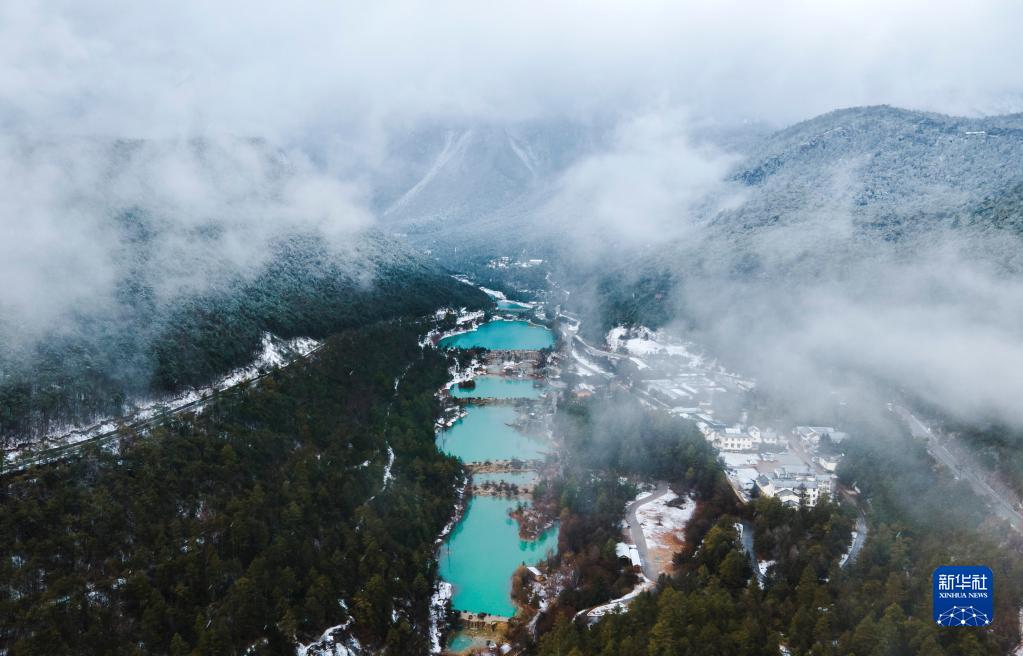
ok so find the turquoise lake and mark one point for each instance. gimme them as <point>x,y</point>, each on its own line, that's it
<point>498,387</point>
<point>463,641</point>
<point>485,434</point>
<point>482,553</point>
<point>483,550</point>
<point>510,335</point>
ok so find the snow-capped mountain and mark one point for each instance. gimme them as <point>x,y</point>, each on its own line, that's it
<point>473,180</point>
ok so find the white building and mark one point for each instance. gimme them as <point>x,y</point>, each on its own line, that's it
<point>733,442</point>
<point>765,436</point>
<point>811,435</point>
<point>829,462</point>
<point>792,484</point>
<point>734,438</point>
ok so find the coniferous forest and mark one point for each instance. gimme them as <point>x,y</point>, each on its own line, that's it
<point>809,603</point>
<point>94,364</point>
<point>264,519</point>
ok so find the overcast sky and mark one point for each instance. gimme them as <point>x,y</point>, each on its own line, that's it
<point>330,82</point>
<point>296,71</point>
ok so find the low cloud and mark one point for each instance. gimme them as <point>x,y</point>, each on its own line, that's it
<point>298,73</point>
<point>646,187</point>
<point>81,217</point>
<point>332,83</point>
<point>935,327</point>
<point>818,305</point>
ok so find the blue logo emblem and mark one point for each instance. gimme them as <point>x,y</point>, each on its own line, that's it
<point>963,596</point>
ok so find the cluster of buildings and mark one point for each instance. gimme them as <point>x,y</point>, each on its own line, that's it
<point>796,468</point>
<point>824,442</point>
<point>785,476</point>
<point>813,436</point>
<point>762,462</point>
<point>685,392</point>
<point>738,438</point>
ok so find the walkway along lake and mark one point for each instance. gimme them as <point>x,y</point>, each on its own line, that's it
<point>498,387</point>
<point>484,549</point>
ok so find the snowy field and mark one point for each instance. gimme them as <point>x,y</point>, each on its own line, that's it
<point>642,341</point>
<point>663,525</point>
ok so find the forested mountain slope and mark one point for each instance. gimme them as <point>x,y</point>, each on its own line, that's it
<point>180,285</point>
<point>844,191</point>
<point>862,178</point>
<point>311,500</point>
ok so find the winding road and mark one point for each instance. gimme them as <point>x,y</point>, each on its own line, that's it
<point>636,531</point>
<point>649,569</point>
<point>962,465</point>
<point>594,351</point>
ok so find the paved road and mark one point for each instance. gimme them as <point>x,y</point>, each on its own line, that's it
<point>961,464</point>
<point>746,539</point>
<point>596,352</point>
<point>637,532</point>
<point>649,571</point>
<point>861,536</point>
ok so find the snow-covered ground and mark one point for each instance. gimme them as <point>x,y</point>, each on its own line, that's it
<point>333,642</point>
<point>630,551</point>
<point>643,495</point>
<point>458,375</point>
<point>438,608</point>
<point>845,556</point>
<point>448,421</point>
<point>388,476</point>
<point>587,367</point>
<point>469,317</point>
<point>643,341</point>
<point>274,353</point>
<point>736,460</point>
<point>648,348</point>
<point>621,603</point>
<point>663,524</point>
<point>494,294</point>
<point>466,321</point>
